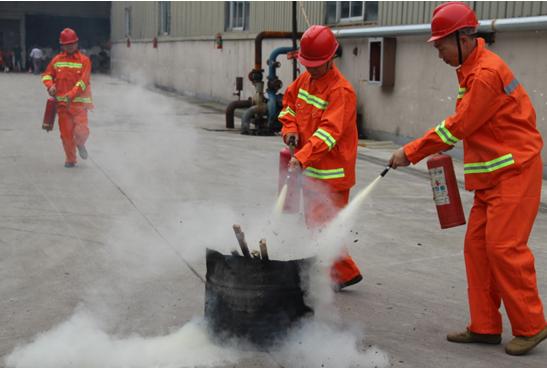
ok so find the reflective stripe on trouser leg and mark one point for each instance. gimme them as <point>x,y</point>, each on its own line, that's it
<point>511,208</point>
<point>320,207</point>
<point>66,126</point>
<point>482,292</point>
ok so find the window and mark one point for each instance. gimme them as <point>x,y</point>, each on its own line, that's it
<point>127,21</point>
<point>382,53</point>
<point>351,11</point>
<point>237,13</point>
<point>165,18</point>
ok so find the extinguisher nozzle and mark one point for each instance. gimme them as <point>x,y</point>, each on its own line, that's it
<point>383,173</point>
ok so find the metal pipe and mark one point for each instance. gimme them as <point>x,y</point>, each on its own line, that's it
<point>488,25</point>
<point>514,24</point>
<point>272,66</point>
<point>230,109</point>
<point>294,36</point>
<point>267,35</point>
<point>246,119</point>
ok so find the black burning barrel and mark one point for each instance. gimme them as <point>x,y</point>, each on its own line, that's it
<point>253,299</point>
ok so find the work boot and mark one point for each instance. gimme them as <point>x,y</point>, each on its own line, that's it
<point>339,286</point>
<point>83,152</point>
<point>70,164</point>
<point>522,344</point>
<point>467,337</point>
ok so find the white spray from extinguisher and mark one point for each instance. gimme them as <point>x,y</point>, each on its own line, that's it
<point>280,203</point>
<point>347,213</point>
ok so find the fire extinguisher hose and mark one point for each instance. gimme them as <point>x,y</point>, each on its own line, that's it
<point>386,169</point>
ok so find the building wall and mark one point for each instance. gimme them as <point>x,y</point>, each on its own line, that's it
<point>415,12</point>
<point>206,18</point>
<point>425,88</point>
<point>195,67</point>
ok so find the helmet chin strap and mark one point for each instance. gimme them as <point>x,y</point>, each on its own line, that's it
<point>457,34</point>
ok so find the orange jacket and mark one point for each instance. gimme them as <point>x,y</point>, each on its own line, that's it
<point>71,76</point>
<point>495,119</point>
<point>323,113</point>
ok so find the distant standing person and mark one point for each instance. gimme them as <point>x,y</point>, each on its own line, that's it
<point>36,56</point>
<point>67,78</point>
<point>17,62</point>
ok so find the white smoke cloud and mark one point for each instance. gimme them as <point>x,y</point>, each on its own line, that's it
<point>152,163</point>
<point>318,344</point>
<point>81,342</point>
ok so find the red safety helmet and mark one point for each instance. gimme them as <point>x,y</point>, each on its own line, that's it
<point>68,36</point>
<point>317,46</point>
<point>450,17</point>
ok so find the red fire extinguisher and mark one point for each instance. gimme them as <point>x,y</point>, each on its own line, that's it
<point>445,191</point>
<point>292,180</point>
<point>49,114</point>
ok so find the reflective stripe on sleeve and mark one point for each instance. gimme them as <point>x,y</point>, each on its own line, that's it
<point>325,137</point>
<point>445,134</point>
<point>81,84</point>
<point>312,100</point>
<point>461,92</point>
<point>511,86</point>
<point>46,78</point>
<point>488,166</point>
<point>324,174</point>
<point>287,110</point>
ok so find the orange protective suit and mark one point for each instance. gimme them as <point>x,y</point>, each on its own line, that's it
<point>497,123</point>
<point>70,73</point>
<point>323,113</point>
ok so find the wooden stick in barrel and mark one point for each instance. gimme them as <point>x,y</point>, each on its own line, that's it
<point>263,249</point>
<point>241,240</point>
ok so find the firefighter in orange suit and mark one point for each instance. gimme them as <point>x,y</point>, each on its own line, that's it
<point>496,121</point>
<point>319,111</point>
<point>67,79</point>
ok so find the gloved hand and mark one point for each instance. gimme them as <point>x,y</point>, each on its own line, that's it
<point>291,138</point>
<point>52,90</point>
<point>294,164</point>
<point>68,98</point>
<point>398,158</point>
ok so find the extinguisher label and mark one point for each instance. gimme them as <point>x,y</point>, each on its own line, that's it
<point>438,183</point>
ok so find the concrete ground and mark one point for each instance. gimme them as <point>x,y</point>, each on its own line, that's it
<point>108,235</point>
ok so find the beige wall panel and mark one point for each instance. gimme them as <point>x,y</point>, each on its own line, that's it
<point>536,8</point>
<point>490,9</point>
<point>277,15</point>
<point>512,8</point>
<point>203,18</point>
<point>405,12</point>
<point>116,21</point>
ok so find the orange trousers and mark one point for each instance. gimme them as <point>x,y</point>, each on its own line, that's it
<point>320,207</point>
<point>74,131</point>
<point>499,264</point>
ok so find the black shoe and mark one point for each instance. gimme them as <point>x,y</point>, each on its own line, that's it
<point>70,164</point>
<point>353,281</point>
<point>83,152</point>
